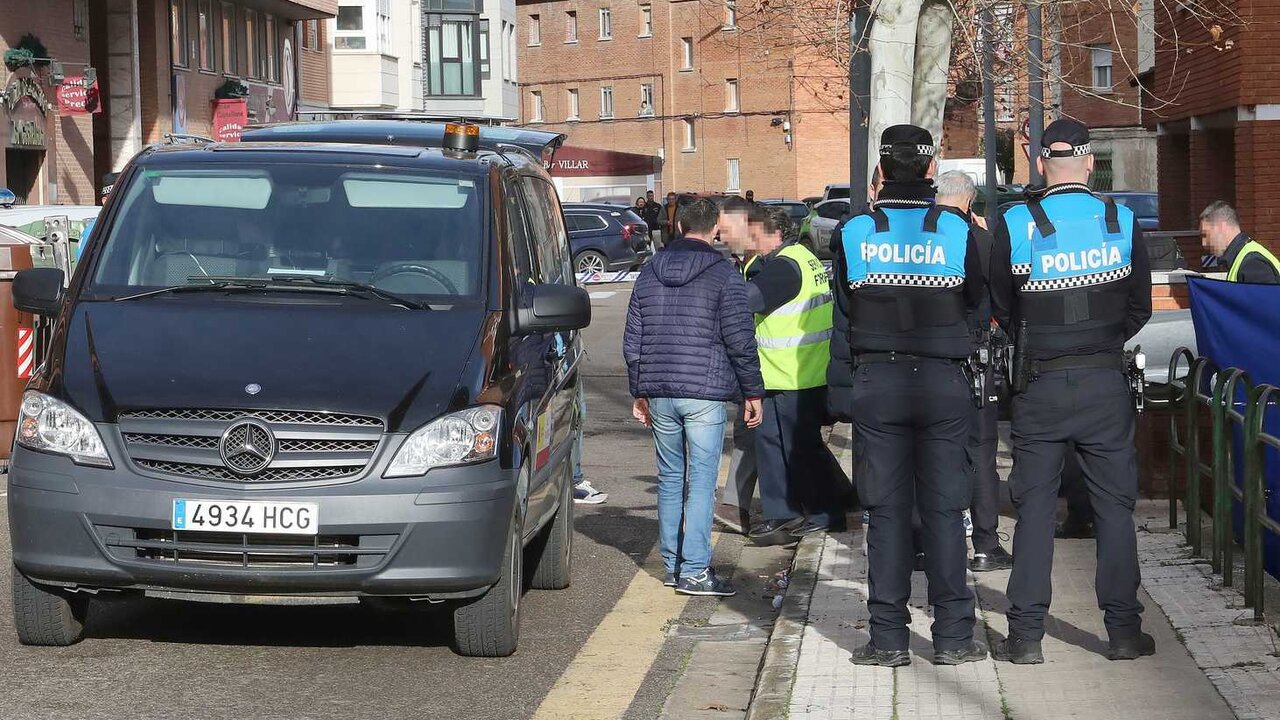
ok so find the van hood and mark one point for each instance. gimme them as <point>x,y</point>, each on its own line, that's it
<point>402,366</point>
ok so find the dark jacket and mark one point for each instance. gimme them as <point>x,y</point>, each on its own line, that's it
<point>840,369</point>
<point>689,333</point>
<point>651,215</point>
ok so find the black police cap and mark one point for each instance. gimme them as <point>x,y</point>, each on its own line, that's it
<point>903,136</point>
<point>1069,131</point>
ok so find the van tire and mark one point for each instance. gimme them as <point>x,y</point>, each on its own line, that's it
<point>552,550</point>
<point>47,616</point>
<point>489,626</point>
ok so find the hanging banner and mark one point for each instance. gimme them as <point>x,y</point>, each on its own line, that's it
<point>229,119</point>
<point>76,97</point>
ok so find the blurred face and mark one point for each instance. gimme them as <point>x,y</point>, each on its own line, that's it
<point>762,240</point>
<point>734,231</point>
<point>1216,236</point>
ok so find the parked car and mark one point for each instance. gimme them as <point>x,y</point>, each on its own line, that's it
<point>834,191</point>
<point>826,215</point>
<point>1006,197</point>
<point>812,200</point>
<point>1145,205</point>
<point>796,210</point>
<point>605,237</point>
<point>293,365</point>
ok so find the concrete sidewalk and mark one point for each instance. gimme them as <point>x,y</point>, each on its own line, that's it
<point>1075,681</point>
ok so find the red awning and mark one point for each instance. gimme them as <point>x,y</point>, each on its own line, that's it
<point>590,162</point>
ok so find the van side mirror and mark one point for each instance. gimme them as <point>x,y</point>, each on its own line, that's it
<point>553,308</point>
<point>38,291</point>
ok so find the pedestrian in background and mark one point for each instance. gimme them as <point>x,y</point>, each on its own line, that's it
<point>690,347</point>
<point>652,215</point>
<point>668,220</point>
<point>956,192</point>
<point>1245,259</point>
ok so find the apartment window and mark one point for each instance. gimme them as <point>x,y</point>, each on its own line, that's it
<point>731,95</point>
<point>251,55</point>
<point>506,54</point>
<point>311,34</point>
<point>646,100</point>
<point>204,23</point>
<point>270,49</point>
<point>350,34</point>
<point>730,14</point>
<point>571,27</point>
<point>384,25</point>
<point>1101,67</point>
<point>535,32</point>
<point>484,50</point>
<point>686,53</point>
<point>606,101</point>
<point>230,59</point>
<point>1103,177</point>
<point>178,32</point>
<point>606,24</point>
<point>690,140</point>
<point>510,55</point>
<point>454,60</point>
<point>732,176</point>
<point>646,21</point>
<point>80,19</point>
<point>573,104</point>
<point>535,106</point>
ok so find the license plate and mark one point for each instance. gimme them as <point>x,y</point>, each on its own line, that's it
<point>274,518</point>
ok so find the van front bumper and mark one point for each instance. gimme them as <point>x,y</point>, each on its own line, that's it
<point>439,536</point>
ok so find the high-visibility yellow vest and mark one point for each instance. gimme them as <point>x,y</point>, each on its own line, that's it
<point>1251,247</point>
<point>795,339</point>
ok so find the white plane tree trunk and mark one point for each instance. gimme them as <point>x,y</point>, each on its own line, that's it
<point>910,47</point>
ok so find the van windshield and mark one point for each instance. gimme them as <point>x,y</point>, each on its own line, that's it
<point>409,233</point>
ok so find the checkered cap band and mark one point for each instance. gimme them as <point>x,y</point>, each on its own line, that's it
<point>906,280</point>
<point>1101,278</point>
<point>928,150</point>
<point>1075,151</point>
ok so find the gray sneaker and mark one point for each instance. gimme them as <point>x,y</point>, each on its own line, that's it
<point>669,580</point>
<point>705,583</point>
<point>869,655</point>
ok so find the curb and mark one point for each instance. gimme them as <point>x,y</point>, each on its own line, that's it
<point>771,698</point>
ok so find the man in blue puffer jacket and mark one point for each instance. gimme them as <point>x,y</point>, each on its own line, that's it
<point>690,346</point>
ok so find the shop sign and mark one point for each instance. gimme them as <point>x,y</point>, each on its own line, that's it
<point>25,87</point>
<point>77,97</point>
<point>26,133</point>
<point>229,119</point>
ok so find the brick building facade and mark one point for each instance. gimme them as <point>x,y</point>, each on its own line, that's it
<point>1219,138</point>
<point>45,158</point>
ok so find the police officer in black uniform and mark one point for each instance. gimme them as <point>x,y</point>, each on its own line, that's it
<point>913,278</point>
<point>1070,277</point>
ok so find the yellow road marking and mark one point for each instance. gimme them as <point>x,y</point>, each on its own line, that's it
<point>607,672</point>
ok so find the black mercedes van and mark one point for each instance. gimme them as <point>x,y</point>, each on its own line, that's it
<point>335,359</point>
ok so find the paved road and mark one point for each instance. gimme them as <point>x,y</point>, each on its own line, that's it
<point>156,658</point>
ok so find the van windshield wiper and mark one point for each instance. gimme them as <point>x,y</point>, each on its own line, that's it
<point>199,283</point>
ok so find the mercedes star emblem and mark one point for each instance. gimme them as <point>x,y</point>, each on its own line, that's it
<point>253,388</point>
<point>247,447</point>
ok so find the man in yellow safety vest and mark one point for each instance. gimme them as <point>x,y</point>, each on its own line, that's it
<point>1245,259</point>
<point>789,291</point>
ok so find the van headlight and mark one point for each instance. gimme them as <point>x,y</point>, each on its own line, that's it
<point>460,438</point>
<point>50,425</point>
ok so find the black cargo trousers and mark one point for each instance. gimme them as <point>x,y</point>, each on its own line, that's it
<point>983,441</point>
<point>912,418</point>
<point>1092,408</point>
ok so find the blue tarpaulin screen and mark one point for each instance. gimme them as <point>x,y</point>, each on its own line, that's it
<point>1238,326</point>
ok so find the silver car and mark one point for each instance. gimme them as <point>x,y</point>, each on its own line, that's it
<point>826,216</point>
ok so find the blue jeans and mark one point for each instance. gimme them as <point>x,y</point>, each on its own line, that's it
<point>688,434</point>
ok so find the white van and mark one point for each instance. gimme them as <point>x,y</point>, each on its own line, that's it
<point>975,168</point>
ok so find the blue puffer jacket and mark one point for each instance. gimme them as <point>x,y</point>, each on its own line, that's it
<point>689,333</point>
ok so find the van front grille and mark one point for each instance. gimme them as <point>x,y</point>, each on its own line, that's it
<point>237,550</point>
<point>288,446</point>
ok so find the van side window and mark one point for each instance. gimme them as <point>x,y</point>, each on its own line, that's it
<point>521,252</point>
<point>550,241</point>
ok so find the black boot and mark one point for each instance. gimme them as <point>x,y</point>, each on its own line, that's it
<point>1019,651</point>
<point>995,559</point>
<point>1132,648</point>
<point>869,655</point>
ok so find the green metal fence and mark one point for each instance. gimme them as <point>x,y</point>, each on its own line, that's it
<point>1232,400</point>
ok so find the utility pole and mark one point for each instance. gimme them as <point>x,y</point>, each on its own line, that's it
<point>1035,85</point>
<point>859,102</point>
<point>989,112</point>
